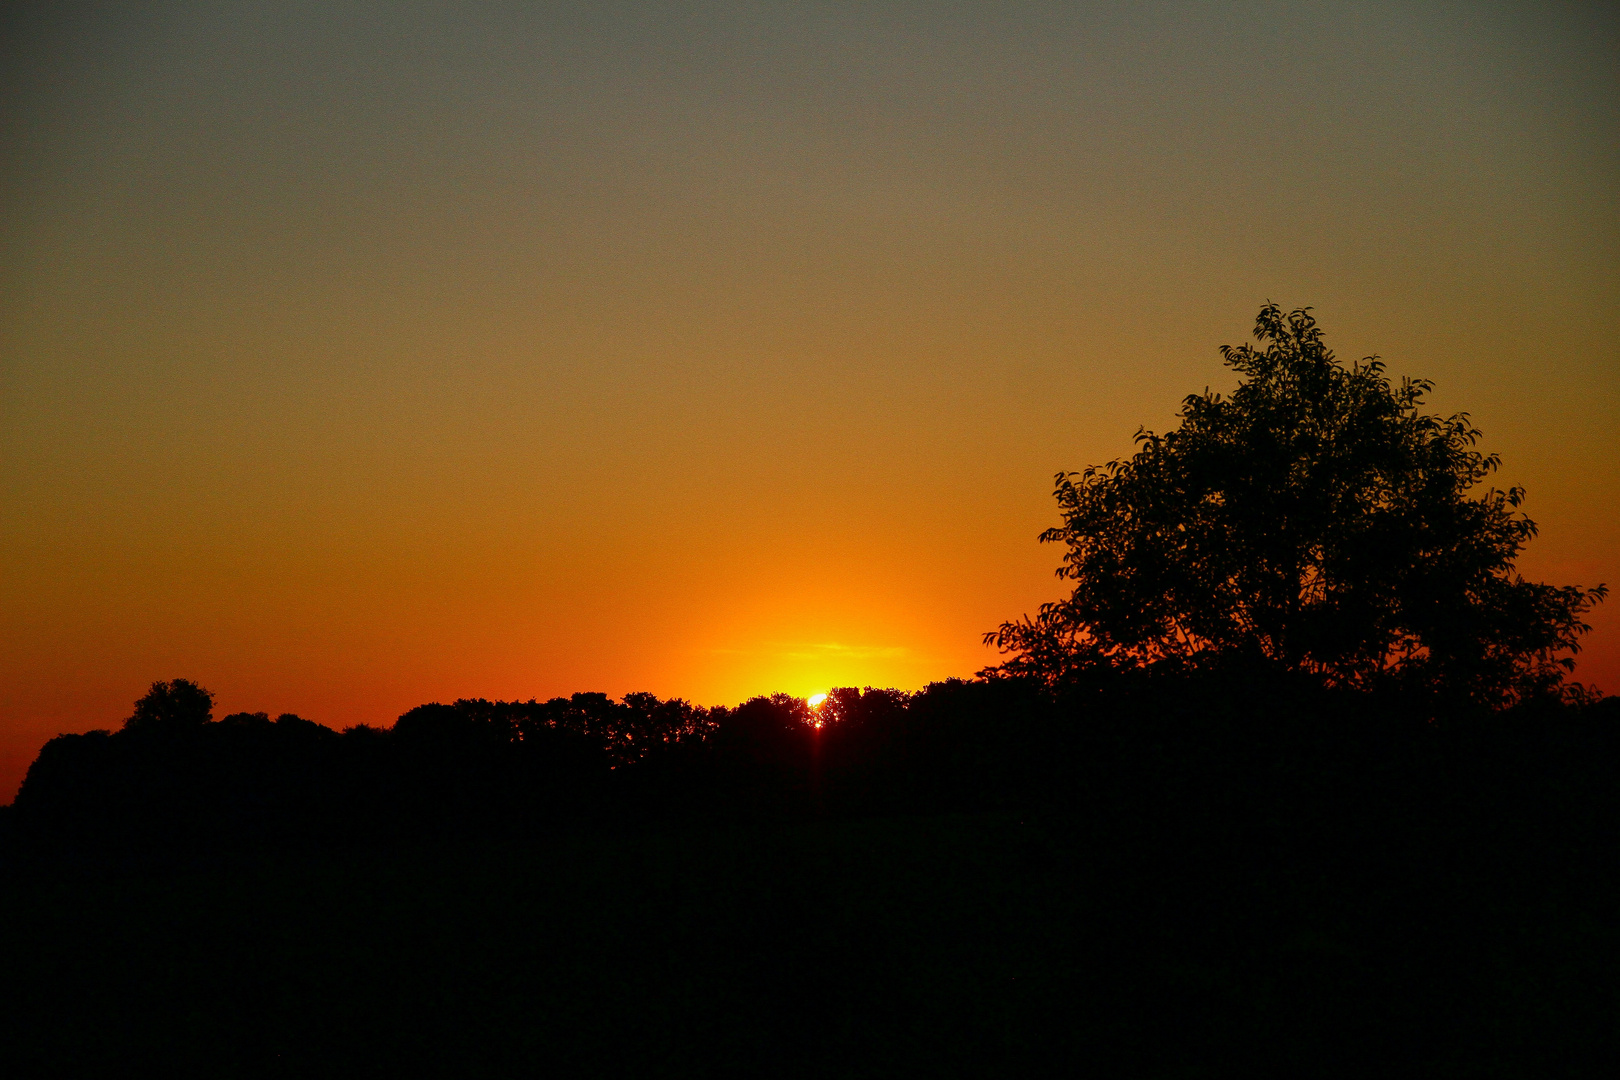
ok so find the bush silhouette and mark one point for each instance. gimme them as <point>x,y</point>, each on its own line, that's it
<point>1318,523</point>
<point>179,705</point>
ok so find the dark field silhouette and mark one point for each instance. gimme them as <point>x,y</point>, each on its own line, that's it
<point>985,875</point>
<point>1295,780</point>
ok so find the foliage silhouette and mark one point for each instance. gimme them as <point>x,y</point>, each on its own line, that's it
<point>1206,811</point>
<point>1176,871</point>
<point>1316,522</point>
<point>172,706</point>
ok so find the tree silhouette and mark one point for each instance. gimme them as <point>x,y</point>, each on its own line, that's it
<point>180,705</point>
<point>1316,521</point>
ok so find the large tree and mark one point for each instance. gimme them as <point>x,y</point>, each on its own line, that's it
<point>180,705</point>
<point>1317,520</point>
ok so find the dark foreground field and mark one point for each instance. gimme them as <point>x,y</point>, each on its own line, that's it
<point>944,945</point>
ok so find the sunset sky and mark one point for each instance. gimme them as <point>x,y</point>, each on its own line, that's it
<point>357,355</point>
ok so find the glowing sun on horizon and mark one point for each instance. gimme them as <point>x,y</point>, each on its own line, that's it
<point>816,699</point>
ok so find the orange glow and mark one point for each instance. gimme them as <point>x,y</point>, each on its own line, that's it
<point>342,377</point>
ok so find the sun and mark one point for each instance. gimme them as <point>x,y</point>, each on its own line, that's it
<point>816,699</point>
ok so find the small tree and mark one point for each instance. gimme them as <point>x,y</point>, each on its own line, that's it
<point>1315,521</point>
<point>172,706</point>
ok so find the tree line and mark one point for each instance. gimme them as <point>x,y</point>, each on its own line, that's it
<point>1290,756</point>
<point>1298,592</point>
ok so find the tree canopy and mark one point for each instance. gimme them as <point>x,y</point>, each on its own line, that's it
<point>1316,521</point>
<point>171,706</point>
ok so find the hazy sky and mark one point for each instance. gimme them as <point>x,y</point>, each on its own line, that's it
<point>359,355</point>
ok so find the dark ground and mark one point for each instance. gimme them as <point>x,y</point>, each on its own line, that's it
<point>929,945</point>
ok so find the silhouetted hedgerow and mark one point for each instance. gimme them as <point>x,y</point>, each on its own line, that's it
<point>1317,769</point>
<point>1184,867</point>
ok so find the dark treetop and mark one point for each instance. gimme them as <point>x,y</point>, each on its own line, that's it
<point>1317,521</point>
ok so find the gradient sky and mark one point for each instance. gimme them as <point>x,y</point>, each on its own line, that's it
<point>357,355</point>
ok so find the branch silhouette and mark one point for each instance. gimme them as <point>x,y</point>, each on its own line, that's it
<point>1316,522</point>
